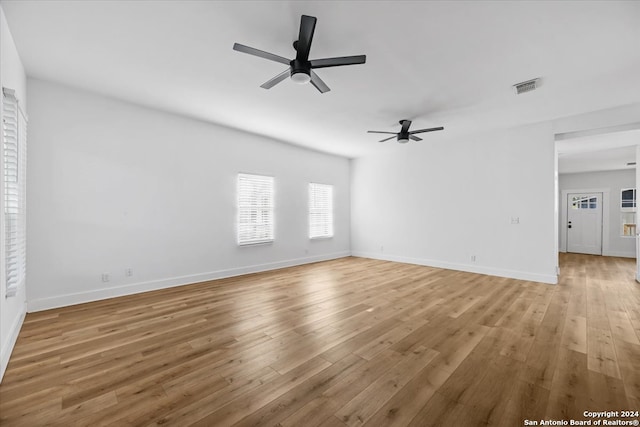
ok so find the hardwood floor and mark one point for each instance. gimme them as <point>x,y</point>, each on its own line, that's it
<point>342,343</point>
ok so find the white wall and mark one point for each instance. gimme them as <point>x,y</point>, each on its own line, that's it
<point>637,238</point>
<point>611,182</point>
<point>115,186</point>
<point>13,309</point>
<point>440,203</point>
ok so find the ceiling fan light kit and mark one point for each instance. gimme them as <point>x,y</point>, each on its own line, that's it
<point>301,78</point>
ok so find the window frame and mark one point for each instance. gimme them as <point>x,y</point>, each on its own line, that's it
<point>14,163</point>
<point>315,211</point>
<point>262,211</point>
<point>632,201</point>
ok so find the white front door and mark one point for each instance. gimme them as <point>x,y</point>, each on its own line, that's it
<point>584,223</point>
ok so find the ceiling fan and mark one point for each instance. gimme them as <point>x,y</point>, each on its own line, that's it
<point>404,135</point>
<point>301,68</point>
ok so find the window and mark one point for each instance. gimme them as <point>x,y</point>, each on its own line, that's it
<point>320,211</point>
<point>255,209</point>
<point>628,200</point>
<point>14,142</point>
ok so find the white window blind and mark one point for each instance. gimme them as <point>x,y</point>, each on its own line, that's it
<point>255,209</point>
<point>320,210</point>
<point>14,138</point>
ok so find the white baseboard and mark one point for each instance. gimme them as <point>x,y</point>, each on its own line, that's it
<point>7,348</point>
<point>512,274</point>
<point>621,254</point>
<point>134,288</point>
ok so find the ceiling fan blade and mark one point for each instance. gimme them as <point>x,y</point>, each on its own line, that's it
<point>262,54</point>
<point>307,27</point>
<point>318,83</point>
<point>426,130</point>
<point>405,126</point>
<point>379,131</point>
<point>391,137</point>
<point>338,61</point>
<point>415,138</point>
<point>277,79</point>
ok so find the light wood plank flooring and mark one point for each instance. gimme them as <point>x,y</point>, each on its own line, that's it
<point>342,343</point>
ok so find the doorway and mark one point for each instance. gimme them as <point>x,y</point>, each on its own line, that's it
<point>592,149</point>
<point>584,223</point>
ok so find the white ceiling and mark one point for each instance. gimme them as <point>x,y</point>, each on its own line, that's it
<point>448,64</point>
<point>607,151</point>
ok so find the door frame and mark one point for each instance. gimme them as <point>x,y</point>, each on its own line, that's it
<point>605,216</point>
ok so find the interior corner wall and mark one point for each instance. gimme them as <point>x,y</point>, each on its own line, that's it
<point>12,309</point>
<point>613,244</point>
<point>115,186</point>
<point>484,204</point>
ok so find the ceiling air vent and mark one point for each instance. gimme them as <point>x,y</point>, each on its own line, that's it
<point>527,86</point>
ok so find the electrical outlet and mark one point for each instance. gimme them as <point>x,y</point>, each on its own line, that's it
<point>128,272</point>
<point>473,258</point>
<point>106,277</point>
<point>381,248</point>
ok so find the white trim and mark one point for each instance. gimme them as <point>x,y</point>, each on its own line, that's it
<point>134,288</point>
<point>597,131</point>
<point>511,274</point>
<point>621,254</point>
<point>605,216</point>
<point>7,348</point>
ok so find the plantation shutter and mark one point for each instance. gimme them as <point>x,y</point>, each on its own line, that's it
<point>255,209</point>
<point>320,210</point>
<point>14,138</point>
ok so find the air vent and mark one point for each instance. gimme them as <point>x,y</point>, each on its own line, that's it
<point>527,86</point>
<point>631,164</point>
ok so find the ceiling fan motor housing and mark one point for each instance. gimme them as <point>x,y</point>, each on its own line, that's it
<point>300,67</point>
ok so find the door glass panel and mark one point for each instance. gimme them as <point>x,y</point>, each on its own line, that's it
<point>584,203</point>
